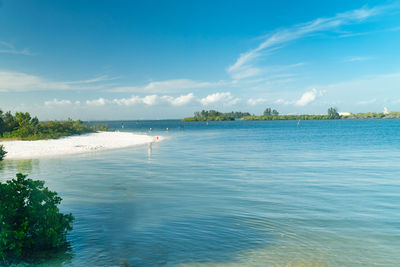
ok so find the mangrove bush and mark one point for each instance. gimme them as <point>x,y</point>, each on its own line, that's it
<point>30,220</point>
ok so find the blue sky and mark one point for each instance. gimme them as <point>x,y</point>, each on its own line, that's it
<point>166,59</point>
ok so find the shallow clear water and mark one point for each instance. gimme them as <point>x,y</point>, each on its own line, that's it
<point>325,193</point>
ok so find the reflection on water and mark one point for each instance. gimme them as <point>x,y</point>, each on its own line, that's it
<point>150,150</point>
<point>277,257</point>
<point>133,236</point>
<point>52,258</point>
<point>235,194</point>
<point>18,166</point>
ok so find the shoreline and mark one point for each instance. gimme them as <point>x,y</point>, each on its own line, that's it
<point>293,119</point>
<point>76,144</point>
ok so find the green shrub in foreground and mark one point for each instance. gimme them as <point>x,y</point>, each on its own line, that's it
<point>2,152</point>
<point>30,220</point>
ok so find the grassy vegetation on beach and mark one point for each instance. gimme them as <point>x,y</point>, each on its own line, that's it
<point>22,126</point>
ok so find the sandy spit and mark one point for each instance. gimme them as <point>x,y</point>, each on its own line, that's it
<point>74,144</point>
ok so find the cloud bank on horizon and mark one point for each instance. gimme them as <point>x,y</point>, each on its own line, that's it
<point>303,67</point>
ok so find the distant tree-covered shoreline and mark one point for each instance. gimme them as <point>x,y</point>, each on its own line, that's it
<point>23,126</point>
<point>272,114</point>
<point>213,115</point>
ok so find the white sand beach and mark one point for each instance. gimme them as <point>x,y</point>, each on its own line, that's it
<point>74,144</point>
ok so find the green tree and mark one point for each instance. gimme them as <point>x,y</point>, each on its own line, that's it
<point>275,112</point>
<point>267,112</point>
<point>23,126</point>
<point>214,115</point>
<point>204,113</point>
<point>30,220</point>
<point>2,123</point>
<point>333,114</point>
<point>9,122</point>
<point>2,152</point>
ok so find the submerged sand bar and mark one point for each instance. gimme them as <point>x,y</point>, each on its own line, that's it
<point>74,144</point>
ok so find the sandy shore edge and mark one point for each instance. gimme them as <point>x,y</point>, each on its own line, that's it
<point>76,144</point>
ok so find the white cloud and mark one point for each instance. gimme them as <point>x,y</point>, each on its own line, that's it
<point>96,102</point>
<point>56,102</point>
<point>307,98</point>
<point>219,98</point>
<point>245,72</point>
<point>17,81</point>
<point>8,48</point>
<point>180,100</point>
<point>354,59</point>
<point>127,101</point>
<point>283,101</point>
<point>244,65</point>
<point>22,82</point>
<point>152,100</point>
<point>98,79</point>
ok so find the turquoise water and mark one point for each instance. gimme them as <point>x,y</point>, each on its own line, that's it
<point>325,193</point>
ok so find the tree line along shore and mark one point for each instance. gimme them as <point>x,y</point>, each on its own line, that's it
<point>22,126</point>
<point>272,114</point>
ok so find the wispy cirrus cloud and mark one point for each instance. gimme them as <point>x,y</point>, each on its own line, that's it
<point>355,34</point>
<point>245,67</point>
<point>8,48</point>
<point>23,82</point>
<point>357,58</point>
<point>101,78</point>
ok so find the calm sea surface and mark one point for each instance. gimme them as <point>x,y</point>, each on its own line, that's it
<point>324,193</point>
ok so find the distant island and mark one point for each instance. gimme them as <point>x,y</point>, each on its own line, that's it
<point>213,115</point>
<point>272,114</point>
